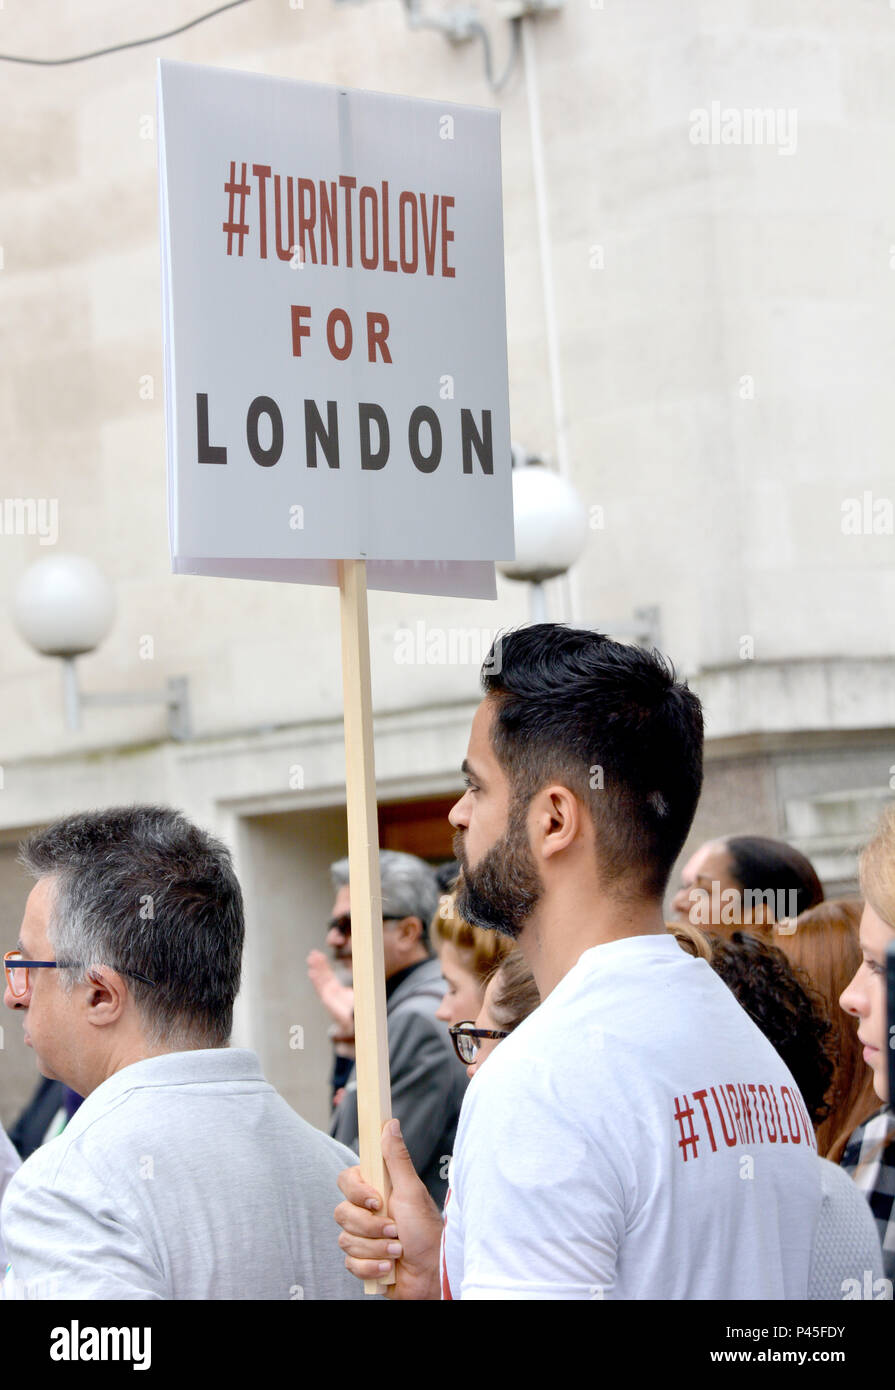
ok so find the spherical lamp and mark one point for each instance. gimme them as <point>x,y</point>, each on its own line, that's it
<point>550,525</point>
<point>63,605</point>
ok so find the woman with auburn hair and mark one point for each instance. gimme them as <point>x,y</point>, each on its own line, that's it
<point>469,956</point>
<point>781,1002</point>
<point>870,1155</point>
<point>823,942</point>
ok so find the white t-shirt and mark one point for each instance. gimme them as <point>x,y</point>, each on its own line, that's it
<point>636,1137</point>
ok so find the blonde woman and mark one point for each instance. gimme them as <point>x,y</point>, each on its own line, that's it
<point>870,1155</point>
<point>468,956</point>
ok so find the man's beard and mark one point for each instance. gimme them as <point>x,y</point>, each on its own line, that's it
<point>503,889</point>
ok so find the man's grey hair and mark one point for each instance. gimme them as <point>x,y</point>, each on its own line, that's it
<point>409,887</point>
<point>141,890</point>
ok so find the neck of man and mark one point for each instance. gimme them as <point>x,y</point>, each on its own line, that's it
<point>570,920</point>
<point>416,958</point>
<point>124,1052</point>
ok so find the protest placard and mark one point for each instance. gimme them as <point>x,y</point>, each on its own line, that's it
<point>335,333</point>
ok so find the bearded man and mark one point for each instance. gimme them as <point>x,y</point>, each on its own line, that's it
<point>604,1145</point>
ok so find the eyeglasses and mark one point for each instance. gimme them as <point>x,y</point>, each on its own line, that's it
<point>343,924</point>
<point>467,1039</point>
<point>17,968</point>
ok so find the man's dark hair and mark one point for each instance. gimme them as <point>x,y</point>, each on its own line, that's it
<point>780,999</point>
<point>140,889</point>
<point>612,724</point>
<point>773,866</point>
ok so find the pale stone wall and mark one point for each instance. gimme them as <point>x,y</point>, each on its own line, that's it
<point>722,496</point>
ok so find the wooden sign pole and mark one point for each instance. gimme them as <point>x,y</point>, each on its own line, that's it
<point>367,961</point>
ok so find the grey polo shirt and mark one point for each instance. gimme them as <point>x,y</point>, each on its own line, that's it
<point>9,1163</point>
<point>181,1176</point>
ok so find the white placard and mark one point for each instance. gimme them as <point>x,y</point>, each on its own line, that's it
<point>335,333</point>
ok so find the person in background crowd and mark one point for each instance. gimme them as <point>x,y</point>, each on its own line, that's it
<point>511,994</point>
<point>333,986</point>
<point>870,1153</point>
<point>691,939</point>
<point>48,1111</point>
<point>823,942</point>
<point>183,1175</point>
<point>468,958</point>
<point>745,880</point>
<point>427,1087</point>
<point>446,875</point>
<point>788,1011</point>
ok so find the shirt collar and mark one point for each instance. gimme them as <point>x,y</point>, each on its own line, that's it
<point>640,948</point>
<point>198,1066</point>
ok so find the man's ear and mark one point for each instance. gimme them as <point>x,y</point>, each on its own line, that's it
<point>555,820</point>
<point>107,996</point>
<point>410,930</point>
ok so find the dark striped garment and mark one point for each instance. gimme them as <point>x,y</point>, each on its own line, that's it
<point>870,1159</point>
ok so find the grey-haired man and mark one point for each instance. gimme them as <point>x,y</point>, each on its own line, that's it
<point>183,1175</point>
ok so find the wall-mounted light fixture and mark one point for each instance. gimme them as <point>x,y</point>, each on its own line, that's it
<point>63,606</point>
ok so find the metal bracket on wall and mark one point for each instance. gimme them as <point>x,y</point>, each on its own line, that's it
<point>176,696</point>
